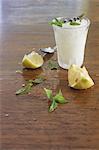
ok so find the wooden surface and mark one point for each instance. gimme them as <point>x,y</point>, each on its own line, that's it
<point>25,123</point>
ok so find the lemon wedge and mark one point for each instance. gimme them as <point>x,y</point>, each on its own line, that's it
<point>32,60</point>
<point>79,78</point>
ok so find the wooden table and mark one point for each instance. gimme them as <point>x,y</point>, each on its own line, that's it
<point>25,123</point>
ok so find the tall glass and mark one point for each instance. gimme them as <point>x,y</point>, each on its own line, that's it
<point>70,43</point>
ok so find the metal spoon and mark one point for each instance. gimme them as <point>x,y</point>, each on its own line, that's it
<point>44,51</point>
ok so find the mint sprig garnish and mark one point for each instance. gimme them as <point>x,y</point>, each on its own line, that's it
<point>28,86</point>
<point>81,16</point>
<point>55,100</point>
<point>57,22</point>
<point>74,23</point>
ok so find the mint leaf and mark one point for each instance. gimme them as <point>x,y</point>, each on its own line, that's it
<point>28,87</point>
<point>57,22</point>
<point>52,106</point>
<point>73,23</point>
<point>25,90</point>
<point>54,100</point>
<point>53,65</point>
<point>81,16</point>
<point>59,98</point>
<point>48,93</point>
<point>60,22</point>
<point>38,80</point>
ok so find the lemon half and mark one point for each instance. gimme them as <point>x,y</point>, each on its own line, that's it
<point>79,78</point>
<point>32,60</point>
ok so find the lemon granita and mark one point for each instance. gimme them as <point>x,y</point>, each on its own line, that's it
<point>70,37</point>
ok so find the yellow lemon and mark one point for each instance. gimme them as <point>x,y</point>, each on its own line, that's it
<point>32,60</point>
<point>79,78</point>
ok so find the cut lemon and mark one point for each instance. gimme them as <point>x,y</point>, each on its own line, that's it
<point>79,78</point>
<point>32,60</point>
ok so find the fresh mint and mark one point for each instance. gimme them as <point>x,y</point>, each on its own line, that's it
<point>57,22</point>
<point>25,90</point>
<point>38,80</point>
<point>52,106</point>
<point>81,16</point>
<point>59,98</point>
<point>73,23</point>
<point>55,100</point>
<point>48,93</point>
<point>60,21</point>
<point>53,65</point>
<point>28,86</point>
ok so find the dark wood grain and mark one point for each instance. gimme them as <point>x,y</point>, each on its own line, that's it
<point>25,123</point>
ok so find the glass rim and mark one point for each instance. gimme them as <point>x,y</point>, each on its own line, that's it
<point>72,27</point>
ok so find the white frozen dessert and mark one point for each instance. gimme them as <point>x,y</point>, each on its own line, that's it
<point>70,37</point>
